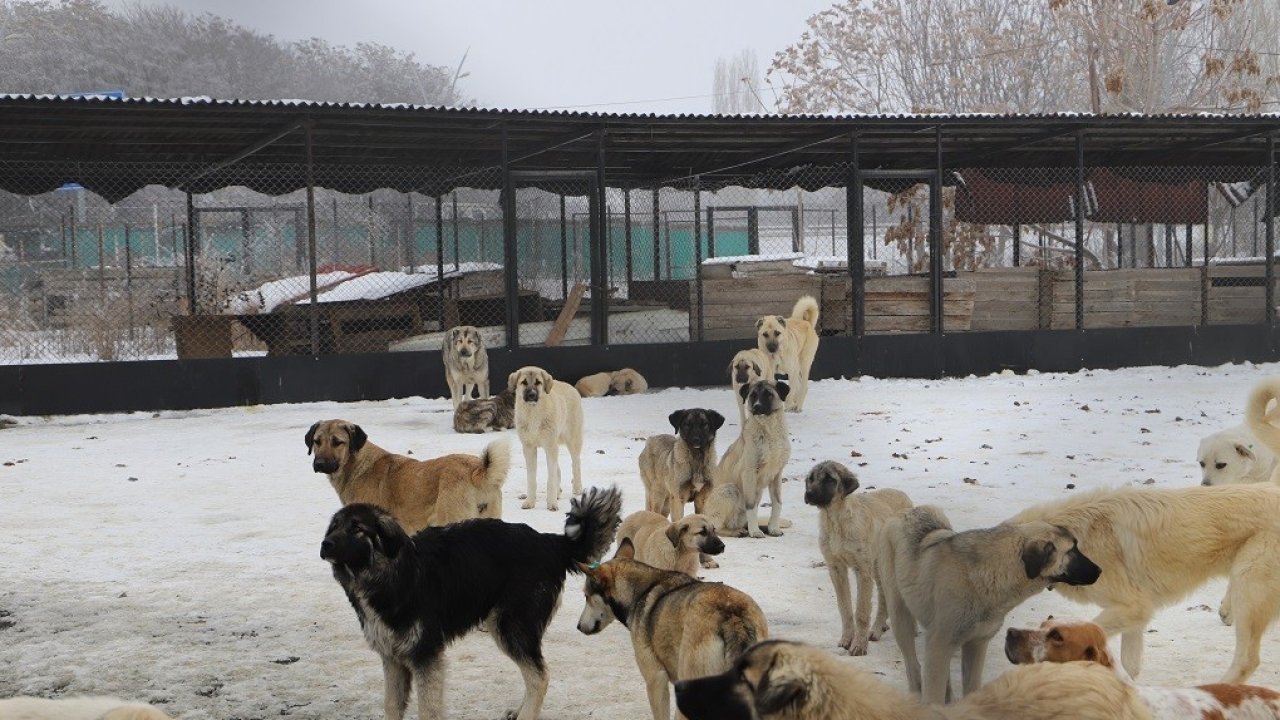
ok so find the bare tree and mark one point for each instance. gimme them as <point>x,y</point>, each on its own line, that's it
<point>736,83</point>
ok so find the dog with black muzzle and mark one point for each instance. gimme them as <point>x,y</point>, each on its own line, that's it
<point>960,585</point>
<point>755,460</point>
<point>466,363</point>
<point>675,467</point>
<point>847,527</point>
<point>792,343</point>
<point>548,415</point>
<point>418,493</point>
<point>416,594</point>
<point>747,367</point>
<point>680,627</point>
<point>670,545</point>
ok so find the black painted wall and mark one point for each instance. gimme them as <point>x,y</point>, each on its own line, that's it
<point>189,384</point>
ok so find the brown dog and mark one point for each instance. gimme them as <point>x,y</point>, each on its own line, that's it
<point>419,493</point>
<point>670,545</point>
<point>1067,640</point>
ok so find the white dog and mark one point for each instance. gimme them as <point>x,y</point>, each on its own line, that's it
<point>77,708</point>
<point>792,344</point>
<point>548,415</point>
<point>1233,456</point>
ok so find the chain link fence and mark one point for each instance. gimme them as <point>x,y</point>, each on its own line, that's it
<point>160,273</point>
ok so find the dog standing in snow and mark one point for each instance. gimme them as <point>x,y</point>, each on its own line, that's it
<point>548,415</point>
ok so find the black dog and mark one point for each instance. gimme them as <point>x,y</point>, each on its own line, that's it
<point>416,594</point>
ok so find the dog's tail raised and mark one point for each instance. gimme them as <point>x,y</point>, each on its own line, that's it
<point>806,309</point>
<point>1260,421</point>
<point>590,525</point>
<point>496,461</point>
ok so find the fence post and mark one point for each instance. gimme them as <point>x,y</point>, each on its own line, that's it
<point>1270,219</point>
<point>711,232</point>
<point>626,234</point>
<point>188,252</point>
<point>314,309</point>
<point>657,237</point>
<point>935,236</point>
<point>600,289</point>
<point>440,254</point>
<point>510,256</point>
<point>1079,213</point>
<point>564,252</point>
<point>697,248</point>
<point>856,241</point>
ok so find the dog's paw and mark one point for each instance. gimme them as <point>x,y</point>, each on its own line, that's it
<point>858,649</point>
<point>527,504</point>
<point>553,506</point>
<point>710,564</point>
<point>774,533</point>
<point>1224,614</point>
<point>757,534</point>
<point>521,496</point>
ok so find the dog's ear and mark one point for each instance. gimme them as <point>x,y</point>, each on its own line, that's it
<point>511,381</point>
<point>716,420</point>
<point>780,690</point>
<point>1099,655</point>
<point>311,436</point>
<point>759,323</point>
<point>547,380</point>
<point>390,538</point>
<point>744,390</point>
<point>357,436</point>
<point>848,481</point>
<point>1036,555</point>
<point>676,418</point>
<point>782,321</point>
<point>626,551</point>
<point>1243,451</point>
<point>783,388</point>
<point>674,532</point>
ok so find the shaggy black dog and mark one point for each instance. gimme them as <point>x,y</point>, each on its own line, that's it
<point>416,594</point>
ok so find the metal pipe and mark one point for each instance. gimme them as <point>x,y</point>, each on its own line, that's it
<point>600,293</point>
<point>510,257</point>
<point>626,232</point>
<point>1080,211</point>
<point>711,232</point>
<point>855,242</point>
<point>564,252</point>
<point>935,237</point>
<point>657,237</point>
<point>188,252</point>
<point>697,248</point>
<point>314,310</point>
<point>1190,251</point>
<point>457,251</point>
<point>1270,220</point>
<point>440,255</point>
<point>1017,244</point>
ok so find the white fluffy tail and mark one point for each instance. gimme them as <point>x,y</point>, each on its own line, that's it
<point>806,309</point>
<point>1260,421</point>
<point>496,460</point>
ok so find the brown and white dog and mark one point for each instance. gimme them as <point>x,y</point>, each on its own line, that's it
<point>1060,640</point>
<point>466,363</point>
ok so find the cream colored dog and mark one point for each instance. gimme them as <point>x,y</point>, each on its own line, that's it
<point>756,459</point>
<point>847,527</point>
<point>548,415</point>
<point>627,382</point>
<point>747,367</point>
<point>780,680</point>
<point>1157,546</point>
<point>77,708</point>
<point>1261,420</point>
<point>792,344</point>
<point>670,545</point>
<point>596,385</point>
<point>466,363</point>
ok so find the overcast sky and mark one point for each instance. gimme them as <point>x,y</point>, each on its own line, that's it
<point>584,54</point>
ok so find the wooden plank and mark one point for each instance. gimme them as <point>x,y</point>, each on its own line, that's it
<point>561,326</point>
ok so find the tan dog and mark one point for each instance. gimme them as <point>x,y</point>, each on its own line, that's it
<point>466,363</point>
<point>670,545</point>
<point>747,367</point>
<point>596,385</point>
<point>419,493</point>
<point>627,382</point>
<point>548,415</point>
<point>756,459</point>
<point>847,527</point>
<point>77,708</point>
<point>680,628</point>
<point>675,468</point>
<point>960,585</point>
<point>1069,640</point>
<point>1159,545</point>
<point>779,680</point>
<point>792,344</point>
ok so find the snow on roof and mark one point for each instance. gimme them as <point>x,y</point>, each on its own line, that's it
<point>345,286</point>
<point>736,259</point>
<point>271,295</point>
<point>374,286</point>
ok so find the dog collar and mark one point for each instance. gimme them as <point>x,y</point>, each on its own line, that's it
<point>594,566</point>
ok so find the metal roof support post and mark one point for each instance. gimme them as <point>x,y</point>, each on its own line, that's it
<point>935,236</point>
<point>697,248</point>
<point>509,250</point>
<point>657,238</point>
<point>564,251</point>
<point>188,252</point>
<point>313,312</point>
<point>440,254</point>
<point>1079,213</point>
<point>600,255</point>
<point>855,241</point>
<point>626,229</point>
<point>1270,219</point>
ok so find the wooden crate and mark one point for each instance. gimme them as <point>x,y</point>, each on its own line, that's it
<point>730,307</point>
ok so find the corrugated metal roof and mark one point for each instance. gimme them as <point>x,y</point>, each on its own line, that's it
<point>115,146</point>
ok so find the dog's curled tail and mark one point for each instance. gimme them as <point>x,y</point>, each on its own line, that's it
<point>806,309</point>
<point>591,523</point>
<point>496,461</point>
<point>1260,421</point>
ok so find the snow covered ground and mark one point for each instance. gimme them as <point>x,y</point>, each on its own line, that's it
<point>174,557</point>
